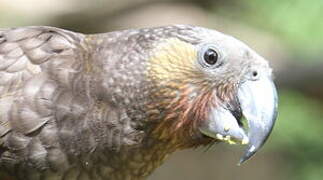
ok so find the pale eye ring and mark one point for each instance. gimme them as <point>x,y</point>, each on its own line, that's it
<point>210,56</point>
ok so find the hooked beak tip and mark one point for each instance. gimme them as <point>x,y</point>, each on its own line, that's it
<point>248,154</point>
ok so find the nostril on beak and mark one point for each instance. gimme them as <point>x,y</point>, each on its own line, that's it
<point>254,75</point>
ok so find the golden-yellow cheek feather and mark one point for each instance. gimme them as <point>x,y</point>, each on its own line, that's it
<point>172,60</point>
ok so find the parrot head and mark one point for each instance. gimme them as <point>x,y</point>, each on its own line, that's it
<point>210,84</point>
<point>198,86</point>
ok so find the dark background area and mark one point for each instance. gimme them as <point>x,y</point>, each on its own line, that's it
<point>289,33</point>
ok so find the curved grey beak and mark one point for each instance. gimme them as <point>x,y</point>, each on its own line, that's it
<point>258,100</point>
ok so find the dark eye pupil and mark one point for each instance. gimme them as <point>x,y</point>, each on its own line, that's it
<point>211,56</point>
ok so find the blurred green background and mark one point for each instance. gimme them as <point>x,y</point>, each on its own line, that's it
<point>289,33</point>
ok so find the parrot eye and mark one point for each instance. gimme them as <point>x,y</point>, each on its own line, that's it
<point>210,56</point>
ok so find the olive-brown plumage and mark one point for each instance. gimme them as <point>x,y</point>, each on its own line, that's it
<point>115,105</point>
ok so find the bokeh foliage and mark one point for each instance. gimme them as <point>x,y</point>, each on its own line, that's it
<point>297,22</point>
<point>298,135</point>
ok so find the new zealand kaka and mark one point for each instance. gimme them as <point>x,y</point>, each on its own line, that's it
<point>114,105</point>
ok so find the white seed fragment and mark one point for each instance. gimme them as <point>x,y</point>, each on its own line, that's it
<point>231,142</point>
<point>219,136</point>
<point>227,138</point>
<point>245,141</point>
